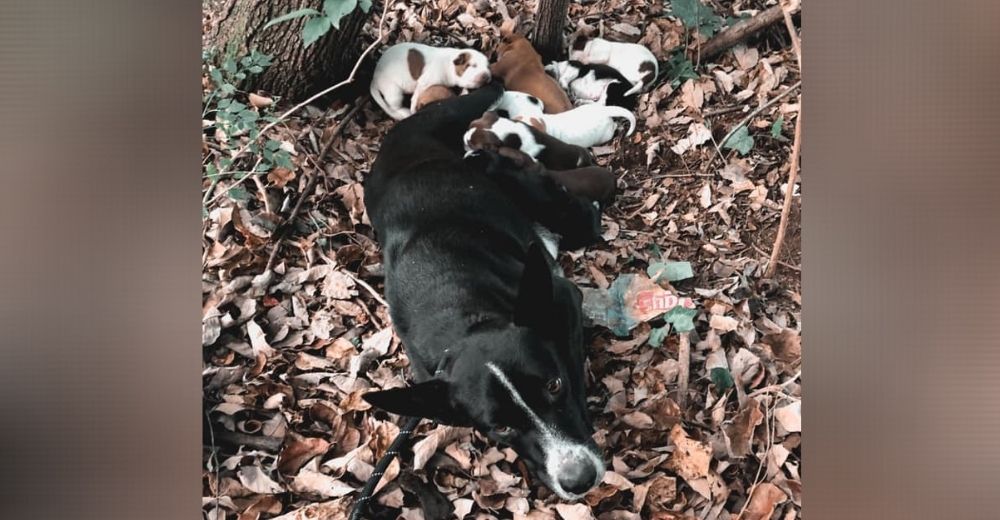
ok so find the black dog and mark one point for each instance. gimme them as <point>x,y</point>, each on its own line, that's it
<point>494,338</point>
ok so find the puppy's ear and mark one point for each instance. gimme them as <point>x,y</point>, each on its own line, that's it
<point>461,59</point>
<point>534,295</point>
<point>429,399</point>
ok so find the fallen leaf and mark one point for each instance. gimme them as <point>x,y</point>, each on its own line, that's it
<point>298,451</point>
<point>790,417</point>
<point>739,433</point>
<point>765,498</point>
<point>254,479</point>
<point>690,458</point>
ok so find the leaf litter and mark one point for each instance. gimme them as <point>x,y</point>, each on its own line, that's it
<point>288,354</point>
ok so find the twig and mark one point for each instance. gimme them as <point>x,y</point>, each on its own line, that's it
<point>215,456</point>
<point>787,9</point>
<point>371,290</point>
<point>680,175</point>
<point>793,173</point>
<point>760,109</point>
<point>723,110</point>
<point>777,387</point>
<point>684,359</point>
<point>253,172</point>
<point>763,460</point>
<point>311,185</point>
<point>785,264</point>
<point>350,78</point>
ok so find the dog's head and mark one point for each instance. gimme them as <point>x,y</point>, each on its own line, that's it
<point>470,69</point>
<point>579,49</point>
<point>519,380</point>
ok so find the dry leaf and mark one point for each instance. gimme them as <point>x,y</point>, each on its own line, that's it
<point>763,501</point>
<point>690,458</point>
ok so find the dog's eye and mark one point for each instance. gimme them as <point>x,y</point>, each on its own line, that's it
<point>554,386</point>
<point>502,430</point>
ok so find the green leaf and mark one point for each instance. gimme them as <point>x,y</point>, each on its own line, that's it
<point>679,68</point>
<point>722,379</point>
<point>365,5</point>
<point>314,28</point>
<point>696,15</point>
<point>239,193</point>
<point>337,9</point>
<point>776,127</point>
<point>657,335</point>
<point>681,318</point>
<point>672,271</point>
<point>298,13</point>
<point>741,141</point>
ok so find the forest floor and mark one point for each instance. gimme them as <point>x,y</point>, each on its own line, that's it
<point>288,352</point>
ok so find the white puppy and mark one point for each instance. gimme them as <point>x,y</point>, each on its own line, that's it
<point>519,105</point>
<point>634,61</point>
<point>409,68</point>
<point>587,125</point>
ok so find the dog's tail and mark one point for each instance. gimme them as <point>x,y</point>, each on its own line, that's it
<point>614,111</point>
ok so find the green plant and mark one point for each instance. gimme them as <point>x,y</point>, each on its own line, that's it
<point>228,116</point>
<point>319,23</point>
<point>697,16</point>
<point>679,68</point>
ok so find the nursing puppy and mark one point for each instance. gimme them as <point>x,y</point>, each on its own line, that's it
<point>634,61</point>
<point>587,125</point>
<point>411,68</point>
<point>520,68</point>
<point>594,183</point>
<point>520,105</point>
<point>494,338</point>
<point>433,94</point>
<point>490,132</point>
<point>595,83</point>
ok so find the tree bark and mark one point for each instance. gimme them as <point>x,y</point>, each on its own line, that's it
<point>549,25</point>
<point>296,71</point>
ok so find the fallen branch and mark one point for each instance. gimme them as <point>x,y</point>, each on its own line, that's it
<point>311,185</point>
<point>765,106</point>
<point>745,29</point>
<point>684,359</point>
<point>772,265</point>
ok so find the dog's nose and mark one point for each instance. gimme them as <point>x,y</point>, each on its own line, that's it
<point>577,476</point>
<point>483,78</point>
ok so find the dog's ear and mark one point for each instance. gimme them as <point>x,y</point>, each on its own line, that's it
<point>428,399</point>
<point>534,294</point>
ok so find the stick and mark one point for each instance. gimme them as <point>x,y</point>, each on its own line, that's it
<point>760,109</point>
<point>786,10</point>
<point>350,78</point>
<point>743,30</point>
<point>684,359</point>
<point>793,172</point>
<point>311,185</point>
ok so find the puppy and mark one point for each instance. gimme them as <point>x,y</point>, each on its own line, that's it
<point>632,60</point>
<point>520,68</point>
<point>519,105</point>
<point>433,94</point>
<point>411,68</point>
<point>587,125</point>
<point>490,132</point>
<point>593,183</point>
<point>493,335</point>
<point>595,83</point>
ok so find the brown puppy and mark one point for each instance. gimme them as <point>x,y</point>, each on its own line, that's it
<point>434,93</point>
<point>521,69</point>
<point>593,183</point>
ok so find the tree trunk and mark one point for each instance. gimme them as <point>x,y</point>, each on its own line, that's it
<point>549,25</point>
<point>296,72</point>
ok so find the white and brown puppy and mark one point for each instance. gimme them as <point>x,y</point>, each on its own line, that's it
<point>586,125</point>
<point>634,61</point>
<point>492,132</point>
<point>411,68</point>
<point>520,106</point>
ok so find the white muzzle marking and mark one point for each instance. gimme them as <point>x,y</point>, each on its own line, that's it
<point>555,446</point>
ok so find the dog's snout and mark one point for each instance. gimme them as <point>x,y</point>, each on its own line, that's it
<point>577,475</point>
<point>483,78</point>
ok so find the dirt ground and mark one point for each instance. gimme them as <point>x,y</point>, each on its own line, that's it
<point>289,352</point>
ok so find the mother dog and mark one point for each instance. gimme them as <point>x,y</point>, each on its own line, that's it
<point>493,336</point>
